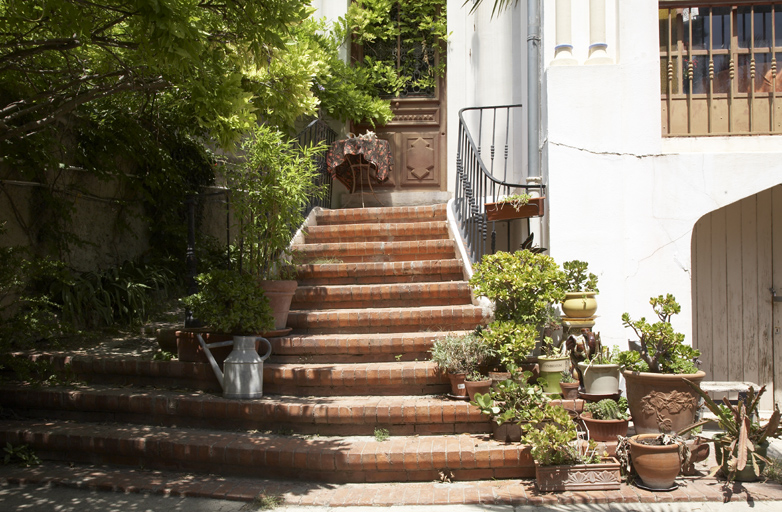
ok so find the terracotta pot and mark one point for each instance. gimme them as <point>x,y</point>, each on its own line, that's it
<point>604,430</point>
<point>748,474</point>
<point>579,304</point>
<point>505,211</point>
<point>498,377</point>
<point>477,386</point>
<point>581,477</point>
<point>657,466</point>
<point>569,390</point>
<point>661,402</point>
<point>506,433</point>
<point>457,384</point>
<point>600,379</point>
<point>280,295</point>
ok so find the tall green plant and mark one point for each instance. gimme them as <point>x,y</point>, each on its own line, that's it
<point>270,186</point>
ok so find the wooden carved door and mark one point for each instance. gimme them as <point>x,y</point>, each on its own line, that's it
<point>417,132</point>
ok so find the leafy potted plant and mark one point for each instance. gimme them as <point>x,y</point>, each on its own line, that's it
<point>475,382</point>
<point>458,356</point>
<point>581,286</point>
<point>569,386</point>
<point>509,404</point>
<point>660,400</point>
<point>517,206</point>
<point>598,368</point>
<point>741,448</point>
<point>270,186</point>
<point>563,462</point>
<point>510,342</point>
<point>606,419</point>
<point>231,302</point>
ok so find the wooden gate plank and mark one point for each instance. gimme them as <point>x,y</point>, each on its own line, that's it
<point>765,306</point>
<point>718,296</point>
<point>732,338</point>
<point>748,308</point>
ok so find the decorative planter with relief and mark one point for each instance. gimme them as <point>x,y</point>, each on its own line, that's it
<point>579,304</point>
<point>507,211</point>
<point>603,476</point>
<point>661,402</point>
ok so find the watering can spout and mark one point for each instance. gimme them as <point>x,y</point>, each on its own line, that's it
<point>243,375</point>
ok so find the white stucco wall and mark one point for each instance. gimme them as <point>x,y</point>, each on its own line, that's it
<point>622,197</point>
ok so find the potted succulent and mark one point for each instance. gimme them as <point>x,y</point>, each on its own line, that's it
<point>581,286</point>
<point>741,448</point>
<point>517,206</point>
<point>598,367</point>
<point>660,400</point>
<point>569,386</point>
<point>606,419</point>
<point>459,355</point>
<point>231,302</point>
<point>509,404</point>
<point>270,186</point>
<point>563,462</point>
<point>475,382</point>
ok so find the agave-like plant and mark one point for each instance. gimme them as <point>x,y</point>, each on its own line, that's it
<point>742,434</point>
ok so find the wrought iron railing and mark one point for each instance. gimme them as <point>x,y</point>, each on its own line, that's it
<point>482,170</point>
<point>316,132</point>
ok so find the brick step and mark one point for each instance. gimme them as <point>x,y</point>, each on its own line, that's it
<point>351,252</point>
<point>359,379</point>
<point>381,272</point>
<point>392,214</point>
<point>400,415</point>
<point>325,459</point>
<point>406,231</point>
<point>356,321</point>
<point>353,348</point>
<point>395,295</point>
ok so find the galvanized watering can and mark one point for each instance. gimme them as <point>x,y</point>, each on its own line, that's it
<point>243,376</point>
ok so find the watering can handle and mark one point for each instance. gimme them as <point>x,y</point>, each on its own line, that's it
<point>269,349</point>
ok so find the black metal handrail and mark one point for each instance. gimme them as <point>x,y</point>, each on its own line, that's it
<point>317,132</point>
<point>477,178</point>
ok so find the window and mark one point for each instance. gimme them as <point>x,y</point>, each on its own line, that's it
<point>719,68</point>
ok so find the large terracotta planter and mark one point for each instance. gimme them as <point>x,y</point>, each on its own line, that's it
<point>661,402</point>
<point>280,295</point>
<point>579,304</point>
<point>656,465</point>
<point>600,379</point>
<point>581,477</point>
<point>604,430</point>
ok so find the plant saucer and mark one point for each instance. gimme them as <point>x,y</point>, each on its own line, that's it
<point>641,485</point>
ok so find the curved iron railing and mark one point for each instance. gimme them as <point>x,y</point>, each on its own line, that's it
<point>314,133</point>
<point>478,178</point>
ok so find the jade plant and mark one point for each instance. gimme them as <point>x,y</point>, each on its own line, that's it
<point>577,278</point>
<point>510,342</point>
<point>553,439</point>
<point>523,286</point>
<point>662,350</point>
<point>511,400</point>
<point>231,302</point>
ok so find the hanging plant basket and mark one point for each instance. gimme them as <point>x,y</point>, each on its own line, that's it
<point>506,211</point>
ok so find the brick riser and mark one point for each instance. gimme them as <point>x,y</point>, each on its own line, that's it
<point>402,214</point>
<point>379,272</point>
<point>388,320</point>
<point>382,295</point>
<point>401,232</point>
<point>354,252</point>
<point>352,459</point>
<point>400,415</point>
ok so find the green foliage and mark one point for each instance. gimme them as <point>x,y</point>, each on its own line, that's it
<point>609,409</point>
<point>270,187</point>
<point>381,434</point>
<point>119,295</point>
<point>511,400</point>
<point>509,341</point>
<point>21,455</point>
<point>38,372</point>
<point>522,285</point>
<point>742,432</point>
<point>460,353</point>
<point>576,277</point>
<point>516,201</point>
<point>419,24</point>
<point>662,349</point>
<point>231,302</point>
<point>553,439</point>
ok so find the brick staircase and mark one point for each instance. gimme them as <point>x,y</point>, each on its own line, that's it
<point>376,287</point>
